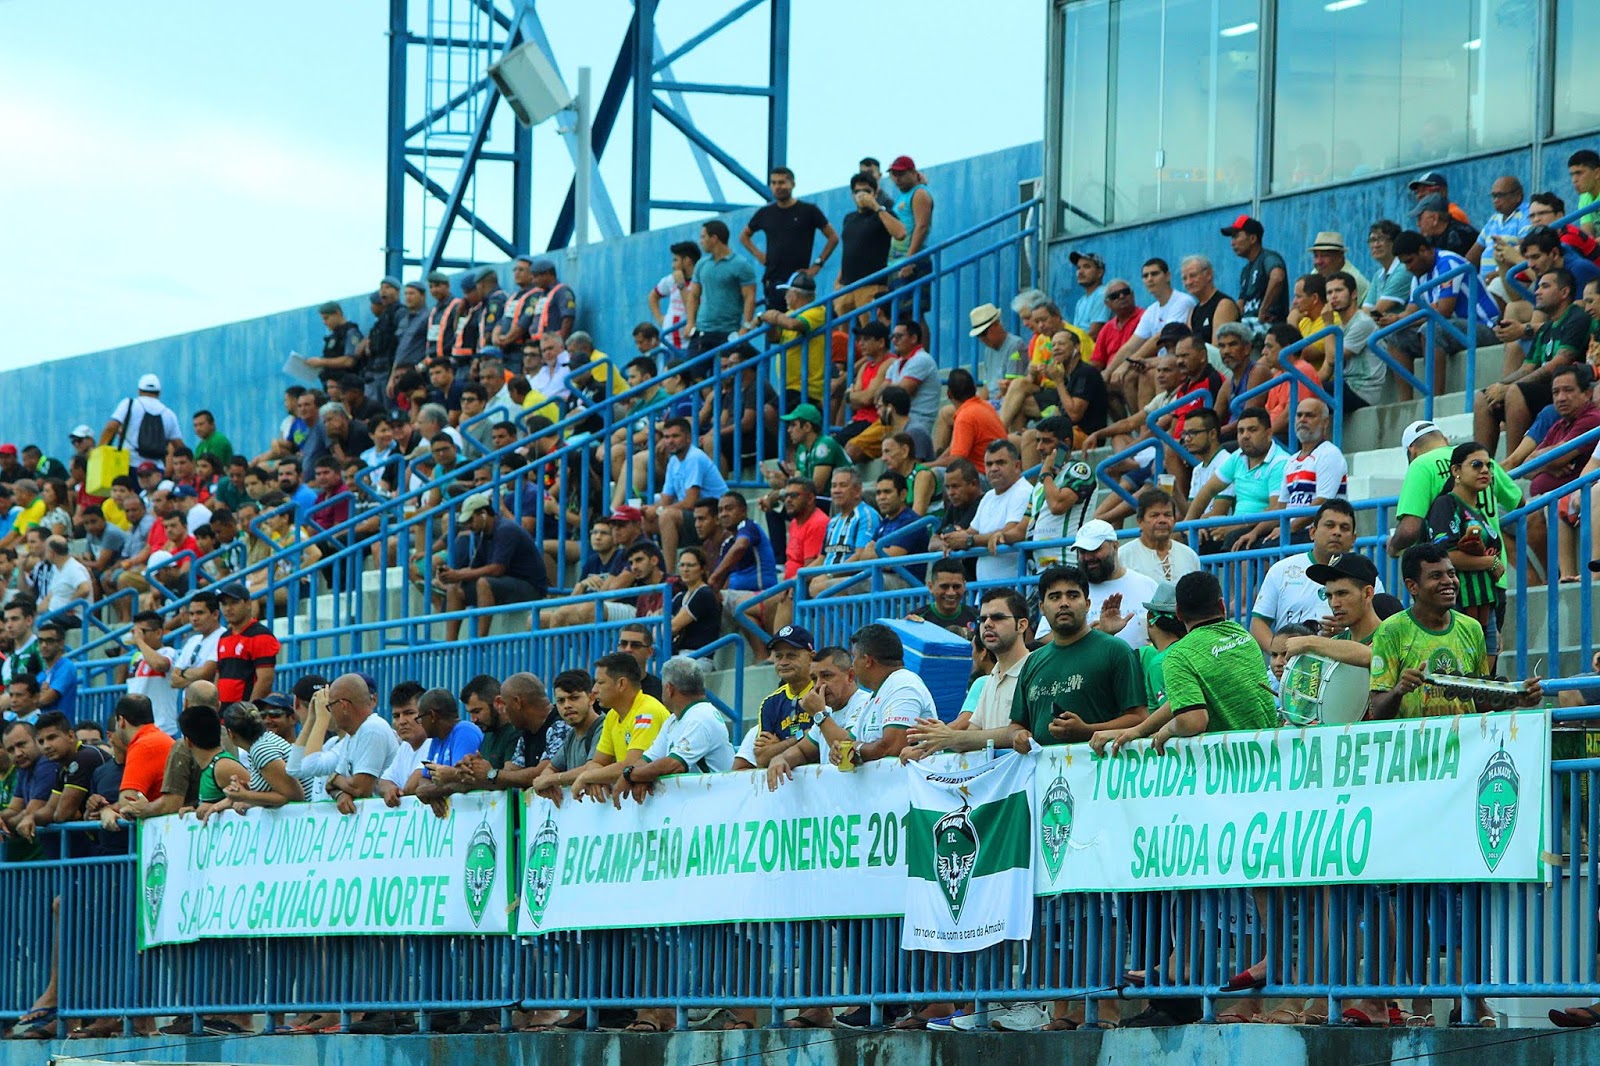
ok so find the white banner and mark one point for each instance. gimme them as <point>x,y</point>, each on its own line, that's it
<point>305,870</point>
<point>719,848</point>
<point>969,856</point>
<point>1432,799</point>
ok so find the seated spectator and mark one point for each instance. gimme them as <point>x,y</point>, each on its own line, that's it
<point>1002,360</point>
<point>1364,372</point>
<point>914,371</point>
<point>1425,264</point>
<point>1570,390</point>
<point>1525,388</point>
<point>1127,374</point>
<point>1138,468</point>
<point>1200,378</point>
<point>1448,234</point>
<point>690,474</point>
<point>1278,339</point>
<point>1063,497</point>
<point>1508,224</point>
<point>714,539</point>
<point>892,538</point>
<point>1155,554</point>
<point>1255,473</point>
<point>695,610</point>
<point>1125,314</point>
<point>70,581</point>
<point>1310,316</point>
<point>505,566</point>
<point>747,564</point>
<point>748,414</point>
<point>974,426</point>
<point>963,489</point>
<point>1212,306</point>
<point>855,399</point>
<point>894,416</point>
<point>1001,516</point>
<point>851,528</point>
<point>815,457</point>
<point>1317,472</point>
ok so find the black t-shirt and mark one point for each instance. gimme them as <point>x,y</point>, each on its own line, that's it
<point>78,771</point>
<point>791,234</point>
<point>651,686</point>
<point>383,342</point>
<point>1458,237</point>
<point>961,518</point>
<point>1201,318</point>
<point>341,340</point>
<point>1253,279</point>
<point>510,546</point>
<point>864,248</point>
<point>1086,383</point>
<point>706,606</point>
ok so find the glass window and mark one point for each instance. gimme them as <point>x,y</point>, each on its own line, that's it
<point>1577,41</point>
<point>1365,86</point>
<point>1159,108</point>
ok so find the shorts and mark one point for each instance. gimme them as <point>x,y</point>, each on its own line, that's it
<point>869,441</point>
<point>1536,394</point>
<point>857,298</point>
<point>505,589</point>
<point>619,612</point>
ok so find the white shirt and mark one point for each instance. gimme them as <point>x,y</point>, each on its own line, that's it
<point>899,702</point>
<point>145,407</point>
<point>995,512</point>
<point>369,750</point>
<point>64,581</point>
<point>1181,559</point>
<point>673,319</point>
<point>697,737</point>
<point>845,718</point>
<point>198,649</point>
<point>198,516</point>
<point>152,684</point>
<point>1288,595</point>
<point>407,760</point>
<point>551,381</point>
<point>1135,589</point>
<point>1176,309</point>
<point>313,770</point>
<point>1318,476</point>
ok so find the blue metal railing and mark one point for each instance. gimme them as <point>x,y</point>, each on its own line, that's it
<point>1431,322</point>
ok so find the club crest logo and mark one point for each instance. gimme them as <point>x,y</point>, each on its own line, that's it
<point>155,885</point>
<point>1055,824</point>
<point>481,868</point>
<point>541,876</point>
<point>1498,789</point>
<point>955,854</point>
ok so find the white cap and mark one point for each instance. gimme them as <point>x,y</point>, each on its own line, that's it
<point>165,486</point>
<point>158,558</point>
<point>81,431</point>
<point>1417,430</point>
<point>149,383</point>
<point>1092,534</point>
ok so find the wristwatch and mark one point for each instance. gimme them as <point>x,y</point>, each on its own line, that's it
<point>627,773</point>
<point>494,772</point>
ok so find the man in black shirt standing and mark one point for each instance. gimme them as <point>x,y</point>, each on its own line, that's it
<point>506,566</point>
<point>791,227</point>
<point>1264,278</point>
<point>867,233</point>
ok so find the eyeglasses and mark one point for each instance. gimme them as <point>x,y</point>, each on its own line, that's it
<point>627,644</point>
<point>1476,464</point>
<point>1501,195</point>
<point>997,618</point>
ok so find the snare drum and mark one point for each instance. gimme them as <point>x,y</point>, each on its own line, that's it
<point>1318,690</point>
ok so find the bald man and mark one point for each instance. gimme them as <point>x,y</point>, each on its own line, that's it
<point>525,704</point>
<point>369,741</point>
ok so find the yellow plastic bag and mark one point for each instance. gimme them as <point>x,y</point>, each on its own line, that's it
<point>106,464</point>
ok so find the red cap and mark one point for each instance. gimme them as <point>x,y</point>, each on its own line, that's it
<point>902,162</point>
<point>8,449</point>
<point>146,467</point>
<point>1243,223</point>
<point>627,514</point>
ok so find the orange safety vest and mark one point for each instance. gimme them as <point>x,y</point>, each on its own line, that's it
<point>439,325</point>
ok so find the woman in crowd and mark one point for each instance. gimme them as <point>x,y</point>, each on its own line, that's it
<point>696,607</point>
<point>1473,540</point>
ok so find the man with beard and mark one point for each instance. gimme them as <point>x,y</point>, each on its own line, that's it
<point>1255,473</point>
<point>1110,586</point>
<point>1002,629</point>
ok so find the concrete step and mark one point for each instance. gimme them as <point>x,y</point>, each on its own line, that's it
<point>1378,427</point>
<point>759,681</point>
<point>1391,461</point>
<point>1569,604</point>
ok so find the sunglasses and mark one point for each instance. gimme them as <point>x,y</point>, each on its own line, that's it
<point>1478,464</point>
<point>1119,294</point>
<point>997,618</point>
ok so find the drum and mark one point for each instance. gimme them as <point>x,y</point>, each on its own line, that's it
<point>1317,690</point>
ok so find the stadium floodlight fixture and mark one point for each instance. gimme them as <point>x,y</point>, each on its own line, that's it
<point>530,83</point>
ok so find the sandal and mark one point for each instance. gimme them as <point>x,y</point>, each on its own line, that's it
<point>736,1023</point>
<point>1359,1018</point>
<point>1419,1021</point>
<point>1244,979</point>
<point>100,1029</point>
<point>1063,1025</point>
<point>1576,1017</point>
<point>800,1021</point>
<point>911,1021</point>
<point>1233,1017</point>
<point>1283,1016</point>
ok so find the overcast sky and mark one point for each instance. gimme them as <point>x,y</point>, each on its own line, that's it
<point>176,164</point>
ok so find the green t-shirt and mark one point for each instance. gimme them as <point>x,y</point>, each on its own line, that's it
<point>1569,333</point>
<point>1218,666</point>
<point>825,452</point>
<point>1402,643</point>
<point>1155,685</point>
<point>1425,479</point>
<point>499,745</point>
<point>1097,678</point>
<point>218,447</point>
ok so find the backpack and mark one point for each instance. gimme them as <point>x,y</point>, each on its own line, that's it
<point>151,442</point>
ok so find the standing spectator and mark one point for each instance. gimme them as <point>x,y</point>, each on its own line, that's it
<point>1264,278</point>
<point>633,719</point>
<point>208,441</point>
<point>783,720</point>
<point>974,424</point>
<point>867,233</point>
<point>1089,311</point>
<point>1155,554</point>
<point>1002,514</point>
<point>411,331</point>
<point>671,288</point>
<point>1003,631</point>
<point>1448,234</point>
<point>1525,389</point>
<point>808,525</point>
<point>1114,591</point>
<point>1117,331</point>
<point>196,661</point>
<point>1328,259</point>
<point>555,309</point>
<point>1083,680</point>
<point>694,740</point>
<point>899,697</point>
<point>1454,523</point>
<point>1212,306</point>
<point>271,783</point>
<point>1425,263</point>
<point>341,343</point>
<point>722,297</point>
<point>791,227</point>
<point>511,333</point>
<point>1063,497</point>
<point>1288,593</point>
<point>58,680</point>
<point>147,424</point>
<point>575,705</point>
<point>913,207</point>
<point>1391,282</point>
<point>505,566</point>
<point>1316,473</point>
<point>1428,466</point>
<point>247,653</point>
<point>152,663</point>
<point>691,474</point>
<point>802,341</point>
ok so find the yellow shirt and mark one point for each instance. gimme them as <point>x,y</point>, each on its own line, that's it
<point>115,515</point>
<point>539,404</point>
<point>633,731</point>
<point>1308,326</point>
<point>30,515</point>
<point>808,363</point>
<point>619,382</point>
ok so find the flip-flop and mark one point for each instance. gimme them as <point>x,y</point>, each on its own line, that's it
<point>37,1016</point>
<point>1063,1025</point>
<point>1358,1018</point>
<point>1575,1018</point>
<point>1244,979</point>
<point>736,1023</point>
<point>642,1025</point>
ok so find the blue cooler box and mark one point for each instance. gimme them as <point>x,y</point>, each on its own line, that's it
<point>942,659</point>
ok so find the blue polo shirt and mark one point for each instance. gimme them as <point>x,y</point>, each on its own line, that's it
<point>694,470</point>
<point>721,299</point>
<point>63,677</point>
<point>760,567</point>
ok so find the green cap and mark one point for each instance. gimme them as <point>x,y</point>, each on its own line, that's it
<point>806,412</point>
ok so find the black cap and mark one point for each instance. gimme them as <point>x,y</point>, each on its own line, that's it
<point>232,590</point>
<point>1352,565</point>
<point>793,636</point>
<point>275,701</point>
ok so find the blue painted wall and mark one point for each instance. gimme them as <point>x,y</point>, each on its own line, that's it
<point>1293,220</point>
<point>235,370</point>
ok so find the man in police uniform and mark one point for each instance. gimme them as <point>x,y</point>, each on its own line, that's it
<point>492,308</point>
<point>340,346</point>
<point>512,333</point>
<point>441,319</point>
<point>557,308</point>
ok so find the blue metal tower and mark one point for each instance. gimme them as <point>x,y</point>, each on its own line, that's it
<point>460,167</point>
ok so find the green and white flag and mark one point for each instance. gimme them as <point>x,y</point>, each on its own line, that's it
<point>969,856</point>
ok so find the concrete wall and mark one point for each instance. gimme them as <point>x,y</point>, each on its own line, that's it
<point>1293,220</point>
<point>1280,1045</point>
<point>235,370</point>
